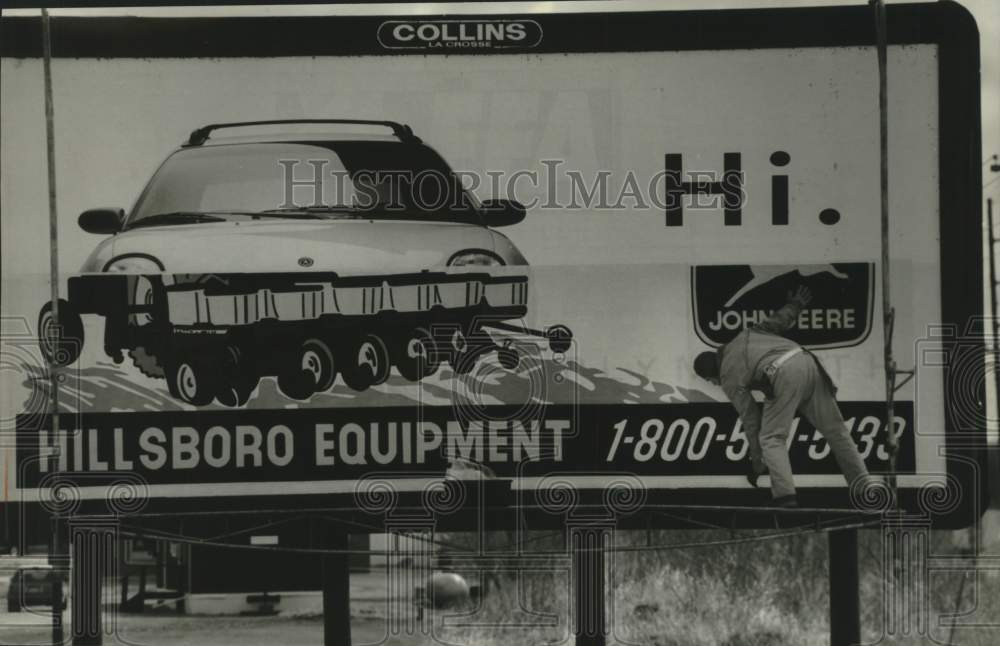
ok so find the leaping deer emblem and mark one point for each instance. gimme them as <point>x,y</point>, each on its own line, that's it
<point>766,273</point>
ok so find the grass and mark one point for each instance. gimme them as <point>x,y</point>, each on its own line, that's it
<point>770,593</point>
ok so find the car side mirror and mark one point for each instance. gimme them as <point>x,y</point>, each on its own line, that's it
<point>101,221</point>
<point>502,213</point>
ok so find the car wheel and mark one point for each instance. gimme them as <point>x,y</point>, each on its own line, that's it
<point>69,328</point>
<point>367,363</point>
<point>416,356</point>
<point>193,380</point>
<point>13,606</point>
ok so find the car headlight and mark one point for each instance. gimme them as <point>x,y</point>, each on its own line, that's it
<point>475,258</point>
<point>134,264</point>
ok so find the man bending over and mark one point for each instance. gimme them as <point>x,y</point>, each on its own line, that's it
<point>760,358</point>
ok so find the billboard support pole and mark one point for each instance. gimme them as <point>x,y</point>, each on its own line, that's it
<point>59,561</point>
<point>92,545</point>
<point>845,607</point>
<point>56,556</point>
<point>587,544</point>
<point>994,322</point>
<point>336,590</point>
<point>994,457</point>
<point>888,313</point>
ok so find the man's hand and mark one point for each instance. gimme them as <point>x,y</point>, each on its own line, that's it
<point>801,297</point>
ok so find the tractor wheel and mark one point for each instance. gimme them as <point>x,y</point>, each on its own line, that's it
<point>466,350</point>
<point>310,370</point>
<point>416,357</point>
<point>296,384</point>
<point>317,358</point>
<point>193,379</point>
<point>239,378</point>
<point>60,341</point>
<point>238,393</point>
<point>509,357</point>
<point>366,363</point>
<point>560,338</point>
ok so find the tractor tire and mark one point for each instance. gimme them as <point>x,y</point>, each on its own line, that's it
<point>509,358</point>
<point>67,348</point>
<point>193,379</point>
<point>416,357</point>
<point>560,338</point>
<point>237,393</point>
<point>366,363</point>
<point>317,358</point>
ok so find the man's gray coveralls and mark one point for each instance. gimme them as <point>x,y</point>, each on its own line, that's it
<point>796,382</point>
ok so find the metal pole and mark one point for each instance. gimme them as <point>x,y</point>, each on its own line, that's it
<point>992,456</point>
<point>58,562</point>
<point>85,625</point>
<point>141,605</point>
<point>888,313</point>
<point>845,607</point>
<point>991,236</point>
<point>123,602</point>
<point>50,146</point>
<point>56,557</point>
<point>93,551</point>
<point>589,585</point>
<point>336,590</point>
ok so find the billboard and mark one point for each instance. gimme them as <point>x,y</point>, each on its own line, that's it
<point>276,322</point>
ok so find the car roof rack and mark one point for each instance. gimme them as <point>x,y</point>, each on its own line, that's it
<point>403,131</point>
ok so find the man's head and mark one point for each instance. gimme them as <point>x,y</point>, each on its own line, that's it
<point>706,366</point>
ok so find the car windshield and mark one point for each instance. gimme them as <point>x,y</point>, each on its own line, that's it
<point>35,575</point>
<point>315,180</point>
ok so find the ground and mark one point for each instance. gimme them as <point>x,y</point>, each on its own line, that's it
<point>201,630</point>
<point>767,593</point>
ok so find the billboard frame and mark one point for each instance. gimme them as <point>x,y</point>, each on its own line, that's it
<point>946,24</point>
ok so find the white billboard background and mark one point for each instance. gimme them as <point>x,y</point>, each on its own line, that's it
<point>619,278</point>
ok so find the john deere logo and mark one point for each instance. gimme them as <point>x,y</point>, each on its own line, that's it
<point>305,261</point>
<point>459,34</point>
<point>728,298</point>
